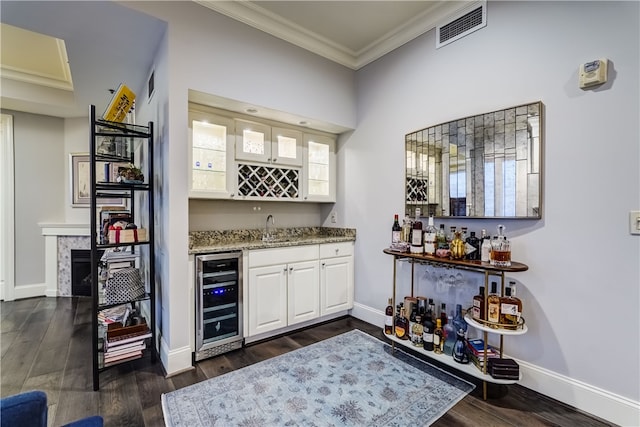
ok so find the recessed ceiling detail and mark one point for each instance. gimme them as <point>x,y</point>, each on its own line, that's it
<point>34,58</point>
<point>351,33</point>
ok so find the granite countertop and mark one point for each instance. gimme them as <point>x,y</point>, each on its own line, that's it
<point>244,239</point>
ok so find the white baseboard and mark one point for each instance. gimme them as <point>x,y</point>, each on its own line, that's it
<point>30,291</point>
<point>175,361</point>
<point>588,398</point>
<point>585,397</point>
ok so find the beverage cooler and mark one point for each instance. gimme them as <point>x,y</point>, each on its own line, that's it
<point>218,304</point>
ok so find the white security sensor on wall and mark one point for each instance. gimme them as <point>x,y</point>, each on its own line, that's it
<point>593,73</point>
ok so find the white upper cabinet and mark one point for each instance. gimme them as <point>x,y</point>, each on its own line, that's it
<point>211,170</point>
<point>257,142</point>
<point>319,169</point>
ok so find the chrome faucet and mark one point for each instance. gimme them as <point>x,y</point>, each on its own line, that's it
<point>266,236</point>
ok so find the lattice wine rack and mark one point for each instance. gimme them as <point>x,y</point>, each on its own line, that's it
<point>265,181</point>
<point>417,189</point>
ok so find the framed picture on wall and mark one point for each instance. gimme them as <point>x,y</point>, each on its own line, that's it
<point>81,180</point>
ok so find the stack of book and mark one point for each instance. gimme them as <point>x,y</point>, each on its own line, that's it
<point>113,261</point>
<point>125,343</point>
<point>476,352</point>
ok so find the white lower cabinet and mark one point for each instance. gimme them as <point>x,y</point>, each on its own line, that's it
<point>267,298</point>
<point>282,287</point>
<point>336,277</point>
<point>286,286</point>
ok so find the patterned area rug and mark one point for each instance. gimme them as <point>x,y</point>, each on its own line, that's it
<point>352,379</point>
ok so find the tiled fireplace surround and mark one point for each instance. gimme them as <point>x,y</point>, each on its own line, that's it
<point>60,239</point>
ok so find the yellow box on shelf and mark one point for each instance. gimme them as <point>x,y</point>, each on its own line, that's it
<point>120,105</point>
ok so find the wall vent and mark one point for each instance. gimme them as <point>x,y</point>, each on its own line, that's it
<point>468,20</point>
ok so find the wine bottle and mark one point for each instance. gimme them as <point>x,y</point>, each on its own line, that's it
<point>396,231</point>
<point>430,236</point>
<point>416,235</point>
<point>441,238</point>
<point>427,332</point>
<point>443,314</point>
<point>438,338</point>
<point>388,321</point>
<point>493,305</point>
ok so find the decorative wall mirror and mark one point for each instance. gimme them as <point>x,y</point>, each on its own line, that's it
<point>483,166</point>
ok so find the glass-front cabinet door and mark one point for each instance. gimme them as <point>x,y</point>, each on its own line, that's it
<point>319,171</point>
<point>211,168</point>
<point>286,147</point>
<point>253,141</point>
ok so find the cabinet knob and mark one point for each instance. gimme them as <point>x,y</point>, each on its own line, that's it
<point>231,195</point>
<point>290,269</point>
<point>337,250</point>
<point>323,264</point>
<point>275,159</point>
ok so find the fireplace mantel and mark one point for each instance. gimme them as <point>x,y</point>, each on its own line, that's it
<point>59,240</point>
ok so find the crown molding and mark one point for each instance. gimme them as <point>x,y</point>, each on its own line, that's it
<point>257,17</point>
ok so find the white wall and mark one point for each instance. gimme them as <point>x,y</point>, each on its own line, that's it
<point>581,292</point>
<point>40,179</point>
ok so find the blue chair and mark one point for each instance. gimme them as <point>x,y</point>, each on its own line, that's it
<point>30,409</point>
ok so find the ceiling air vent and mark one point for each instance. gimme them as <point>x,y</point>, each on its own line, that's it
<point>468,20</point>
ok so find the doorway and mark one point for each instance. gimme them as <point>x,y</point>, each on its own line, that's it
<point>7,246</point>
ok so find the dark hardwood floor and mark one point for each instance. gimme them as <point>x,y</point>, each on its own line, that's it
<point>46,345</point>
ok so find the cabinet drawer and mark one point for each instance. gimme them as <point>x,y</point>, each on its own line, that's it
<point>262,257</point>
<point>331,250</point>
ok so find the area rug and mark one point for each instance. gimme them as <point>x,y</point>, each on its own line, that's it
<point>352,379</point>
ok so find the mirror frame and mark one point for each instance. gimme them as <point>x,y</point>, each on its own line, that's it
<point>510,138</point>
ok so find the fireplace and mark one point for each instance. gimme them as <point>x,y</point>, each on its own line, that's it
<point>81,272</point>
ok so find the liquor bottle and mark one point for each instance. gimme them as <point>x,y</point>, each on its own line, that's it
<point>460,353</point>
<point>458,320</point>
<point>431,311</point>
<point>493,305</point>
<point>449,334</point>
<point>438,338</point>
<point>388,321</point>
<point>478,305</point>
<point>473,247</point>
<point>441,238</point>
<point>427,333</point>
<point>417,332</point>
<point>510,308</point>
<point>406,229</point>
<point>457,246</point>
<point>485,248</point>
<point>416,235</point>
<point>451,235</point>
<point>430,238</point>
<point>402,326</point>
<point>396,231</point>
<point>443,314</point>
<point>422,306</point>
<point>412,320</point>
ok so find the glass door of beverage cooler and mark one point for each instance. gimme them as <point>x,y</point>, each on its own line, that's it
<point>219,301</point>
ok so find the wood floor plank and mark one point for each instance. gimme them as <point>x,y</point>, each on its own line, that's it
<point>38,333</point>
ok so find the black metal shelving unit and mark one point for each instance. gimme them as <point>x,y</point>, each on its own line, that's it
<point>134,145</point>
